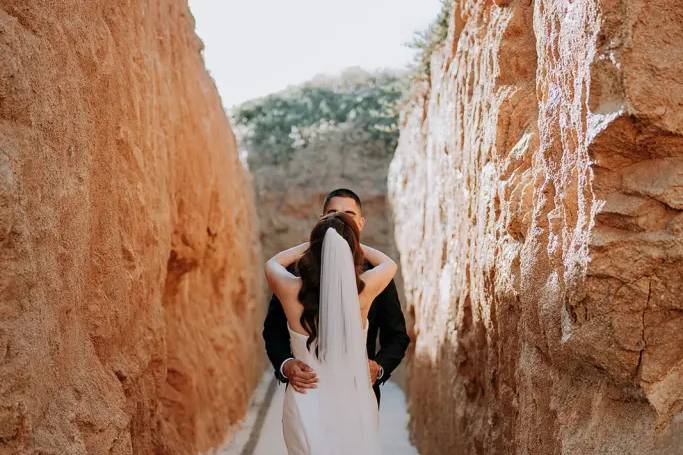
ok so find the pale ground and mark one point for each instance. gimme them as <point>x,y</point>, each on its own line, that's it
<point>261,431</point>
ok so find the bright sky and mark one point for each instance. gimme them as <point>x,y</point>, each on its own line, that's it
<point>256,47</point>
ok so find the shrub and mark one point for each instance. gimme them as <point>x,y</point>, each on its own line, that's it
<point>275,126</point>
<point>427,41</point>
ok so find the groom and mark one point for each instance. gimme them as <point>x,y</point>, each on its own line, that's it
<point>385,318</point>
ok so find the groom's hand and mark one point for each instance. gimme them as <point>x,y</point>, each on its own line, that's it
<point>374,371</point>
<point>300,375</point>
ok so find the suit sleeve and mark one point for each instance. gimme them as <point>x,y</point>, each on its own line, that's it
<point>393,337</point>
<point>276,336</point>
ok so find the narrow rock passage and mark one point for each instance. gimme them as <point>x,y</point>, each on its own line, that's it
<point>260,433</point>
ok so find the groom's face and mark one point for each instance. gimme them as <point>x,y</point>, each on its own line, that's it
<point>348,206</point>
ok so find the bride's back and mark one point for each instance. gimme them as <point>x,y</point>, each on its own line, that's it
<point>340,415</point>
<point>303,311</point>
<point>302,304</point>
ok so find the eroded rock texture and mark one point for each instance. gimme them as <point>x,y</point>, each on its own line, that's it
<point>128,267</point>
<point>538,189</point>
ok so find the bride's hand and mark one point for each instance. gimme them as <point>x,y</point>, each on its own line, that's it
<point>290,255</point>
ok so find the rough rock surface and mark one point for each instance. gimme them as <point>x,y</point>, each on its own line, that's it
<point>538,189</point>
<point>128,266</point>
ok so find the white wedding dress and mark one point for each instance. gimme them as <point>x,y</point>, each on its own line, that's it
<point>340,416</point>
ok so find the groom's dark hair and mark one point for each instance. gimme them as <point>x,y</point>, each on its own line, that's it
<point>342,192</point>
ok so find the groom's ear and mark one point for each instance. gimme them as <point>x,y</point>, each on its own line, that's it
<point>362,223</point>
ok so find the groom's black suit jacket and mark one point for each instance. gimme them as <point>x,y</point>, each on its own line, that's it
<point>385,317</point>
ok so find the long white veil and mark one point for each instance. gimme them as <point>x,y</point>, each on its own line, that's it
<point>348,408</point>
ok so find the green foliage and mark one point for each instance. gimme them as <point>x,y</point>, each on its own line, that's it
<point>277,125</point>
<point>428,40</point>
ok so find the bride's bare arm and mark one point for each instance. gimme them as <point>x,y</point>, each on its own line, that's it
<point>379,276</point>
<point>281,281</point>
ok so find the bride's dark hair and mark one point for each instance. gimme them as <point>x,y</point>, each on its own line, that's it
<point>308,267</point>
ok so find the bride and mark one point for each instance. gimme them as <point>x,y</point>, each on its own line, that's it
<point>326,308</point>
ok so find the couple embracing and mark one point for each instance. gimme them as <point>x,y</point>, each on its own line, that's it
<point>333,297</point>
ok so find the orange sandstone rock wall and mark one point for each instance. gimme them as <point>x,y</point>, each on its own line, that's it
<point>538,189</point>
<point>129,286</point>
